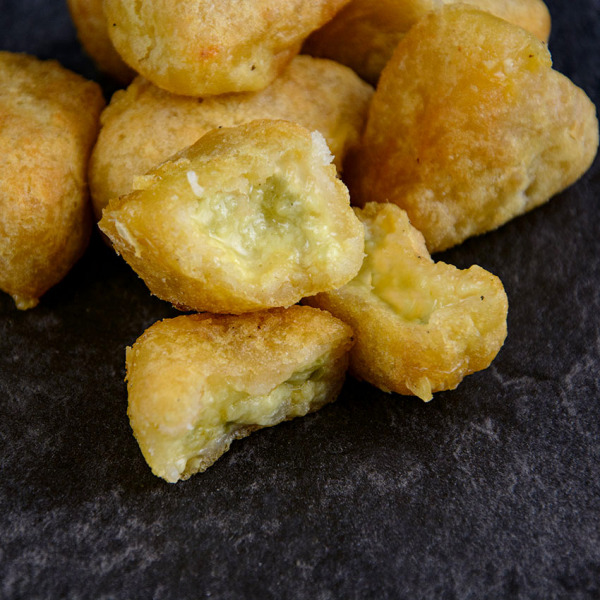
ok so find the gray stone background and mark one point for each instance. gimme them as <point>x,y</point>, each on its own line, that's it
<point>489,491</point>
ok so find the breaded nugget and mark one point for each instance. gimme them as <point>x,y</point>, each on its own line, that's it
<point>364,34</point>
<point>49,120</point>
<point>92,30</point>
<point>420,326</point>
<point>145,125</point>
<point>197,382</point>
<point>470,127</point>
<point>208,47</point>
<point>247,218</point>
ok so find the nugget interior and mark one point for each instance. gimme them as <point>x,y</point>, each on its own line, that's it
<point>197,382</point>
<point>248,218</point>
<point>420,326</point>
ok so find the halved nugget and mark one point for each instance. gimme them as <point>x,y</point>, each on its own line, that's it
<point>420,326</point>
<point>204,47</point>
<point>144,125</point>
<point>92,30</point>
<point>247,218</point>
<point>197,382</point>
<point>49,119</point>
<point>364,34</point>
<point>470,127</point>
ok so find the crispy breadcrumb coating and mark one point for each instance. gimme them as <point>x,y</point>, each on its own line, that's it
<point>470,127</point>
<point>144,125</point>
<point>92,30</point>
<point>49,119</point>
<point>364,34</point>
<point>209,47</point>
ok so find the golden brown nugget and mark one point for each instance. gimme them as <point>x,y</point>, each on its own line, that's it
<point>420,326</point>
<point>145,125</point>
<point>470,127</point>
<point>209,47</point>
<point>197,382</point>
<point>364,34</point>
<point>49,120</point>
<point>92,30</point>
<point>247,218</point>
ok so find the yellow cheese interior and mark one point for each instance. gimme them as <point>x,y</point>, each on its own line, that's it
<point>259,225</point>
<point>224,411</point>
<point>400,273</point>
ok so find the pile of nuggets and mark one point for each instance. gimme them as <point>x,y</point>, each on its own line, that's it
<point>224,173</point>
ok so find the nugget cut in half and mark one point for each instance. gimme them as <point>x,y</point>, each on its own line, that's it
<point>208,47</point>
<point>420,326</point>
<point>197,382</point>
<point>364,34</point>
<point>247,218</point>
<point>92,30</point>
<point>470,127</point>
<point>49,120</point>
<point>144,125</point>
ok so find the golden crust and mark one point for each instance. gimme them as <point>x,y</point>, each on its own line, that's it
<point>48,124</point>
<point>195,383</point>
<point>145,125</point>
<point>532,15</point>
<point>420,326</point>
<point>247,218</point>
<point>204,47</point>
<point>92,30</point>
<point>364,34</point>
<point>470,127</point>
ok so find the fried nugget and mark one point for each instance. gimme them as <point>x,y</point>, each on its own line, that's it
<point>92,30</point>
<point>49,120</point>
<point>145,125</point>
<point>420,326</point>
<point>247,218</point>
<point>364,34</point>
<point>204,47</point>
<point>470,127</point>
<point>197,382</point>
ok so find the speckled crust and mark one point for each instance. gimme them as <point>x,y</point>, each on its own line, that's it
<point>197,382</point>
<point>209,47</point>
<point>92,30</point>
<point>144,125</point>
<point>49,120</point>
<point>470,127</point>
<point>247,218</point>
<point>420,326</point>
<point>364,34</point>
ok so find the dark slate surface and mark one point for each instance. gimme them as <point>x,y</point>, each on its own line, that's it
<point>489,491</point>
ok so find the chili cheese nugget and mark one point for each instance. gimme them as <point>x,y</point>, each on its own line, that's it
<point>420,326</point>
<point>92,30</point>
<point>247,218</point>
<point>48,123</point>
<point>197,382</point>
<point>205,47</point>
<point>470,127</point>
<point>144,125</point>
<point>364,34</point>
